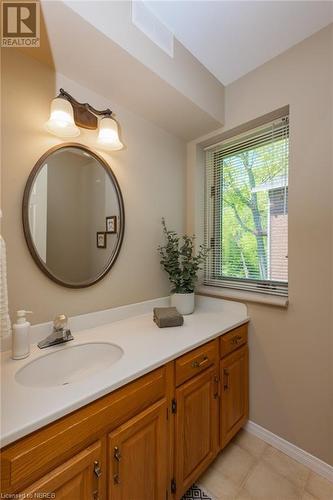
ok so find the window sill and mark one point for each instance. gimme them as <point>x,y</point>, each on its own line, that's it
<point>240,295</point>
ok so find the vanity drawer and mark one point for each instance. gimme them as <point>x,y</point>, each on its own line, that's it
<point>232,340</point>
<point>194,362</point>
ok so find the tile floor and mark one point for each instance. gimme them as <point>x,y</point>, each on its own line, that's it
<point>250,469</point>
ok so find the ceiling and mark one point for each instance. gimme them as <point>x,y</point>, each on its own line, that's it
<point>216,42</point>
<point>231,38</point>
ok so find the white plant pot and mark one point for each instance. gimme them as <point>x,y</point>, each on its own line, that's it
<point>184,302</point>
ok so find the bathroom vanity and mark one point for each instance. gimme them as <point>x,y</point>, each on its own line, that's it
<point>152,437</point>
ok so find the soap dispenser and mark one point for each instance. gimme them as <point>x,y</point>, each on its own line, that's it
<point>21,336</point>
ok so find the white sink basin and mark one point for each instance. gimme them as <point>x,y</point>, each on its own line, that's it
<point>71,364</point>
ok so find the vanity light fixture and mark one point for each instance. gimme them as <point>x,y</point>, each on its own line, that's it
<point>67,115</point>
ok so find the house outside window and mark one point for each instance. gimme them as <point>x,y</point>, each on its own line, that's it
<point>246,210</point>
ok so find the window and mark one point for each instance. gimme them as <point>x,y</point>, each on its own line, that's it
<point>246,210</point>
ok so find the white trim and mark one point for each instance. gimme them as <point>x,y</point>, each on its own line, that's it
<point>305,458</point>
<point>242,295</point>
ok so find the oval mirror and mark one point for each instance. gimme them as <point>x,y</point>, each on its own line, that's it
<point>73,215</point>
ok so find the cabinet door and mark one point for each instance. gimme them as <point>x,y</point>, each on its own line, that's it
<point>235,394</point>
<point>78,478</point>
<point>196,428</point>
<point>138,454</point>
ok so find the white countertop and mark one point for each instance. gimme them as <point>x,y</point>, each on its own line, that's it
<point>146,347</point>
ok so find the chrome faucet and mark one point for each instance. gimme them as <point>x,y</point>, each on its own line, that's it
<point>60,333</point>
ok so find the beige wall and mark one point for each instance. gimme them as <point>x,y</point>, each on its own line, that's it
<point>331,306</point>
<point>290,380</point>
<point>150,171</point>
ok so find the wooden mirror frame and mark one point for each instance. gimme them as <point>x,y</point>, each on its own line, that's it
<point>25,215</point>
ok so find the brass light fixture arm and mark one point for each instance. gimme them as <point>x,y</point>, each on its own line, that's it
<point>73,101</point>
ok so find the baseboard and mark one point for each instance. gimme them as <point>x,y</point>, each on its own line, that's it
<point>305,458</point>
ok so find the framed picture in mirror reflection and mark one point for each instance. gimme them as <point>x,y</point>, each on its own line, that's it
<point>111,224</point>
<point>101,239</point>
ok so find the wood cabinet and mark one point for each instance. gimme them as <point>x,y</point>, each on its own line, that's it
<point>234,394</point>
<point>81,477</point>
<point>31,457</point>
<point>138,456</point>
<point>150,439</point>
<point>196,428</point>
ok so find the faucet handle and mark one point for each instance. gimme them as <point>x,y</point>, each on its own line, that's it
<point>60,322</point>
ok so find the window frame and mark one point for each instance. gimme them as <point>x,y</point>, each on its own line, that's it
<point>212,278</point>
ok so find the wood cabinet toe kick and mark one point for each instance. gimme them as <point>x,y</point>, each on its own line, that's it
<point>151,438</point>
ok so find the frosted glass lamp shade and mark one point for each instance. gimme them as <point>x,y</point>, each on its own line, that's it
<point>108,137</point>
<point>61,121</point>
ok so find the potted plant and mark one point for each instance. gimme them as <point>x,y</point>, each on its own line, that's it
<point>182,265</point>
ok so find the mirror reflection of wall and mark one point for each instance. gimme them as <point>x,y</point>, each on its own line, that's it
<point>38,212</point>
<point>70,198</point>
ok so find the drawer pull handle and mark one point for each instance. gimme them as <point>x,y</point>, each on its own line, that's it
<point>236,339</point>
<point>199,364</point>
<point>225,380</point>
<point>117,457</point>
<point>97,474</point>
<point>97,469</point>
<point>217,387</point>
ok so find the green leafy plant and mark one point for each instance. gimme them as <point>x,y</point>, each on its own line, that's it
<point>179,261</point>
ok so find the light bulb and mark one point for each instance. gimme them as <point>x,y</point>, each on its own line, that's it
<point>61,121</point>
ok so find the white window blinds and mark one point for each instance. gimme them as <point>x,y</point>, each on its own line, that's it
<point>246,210</point>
